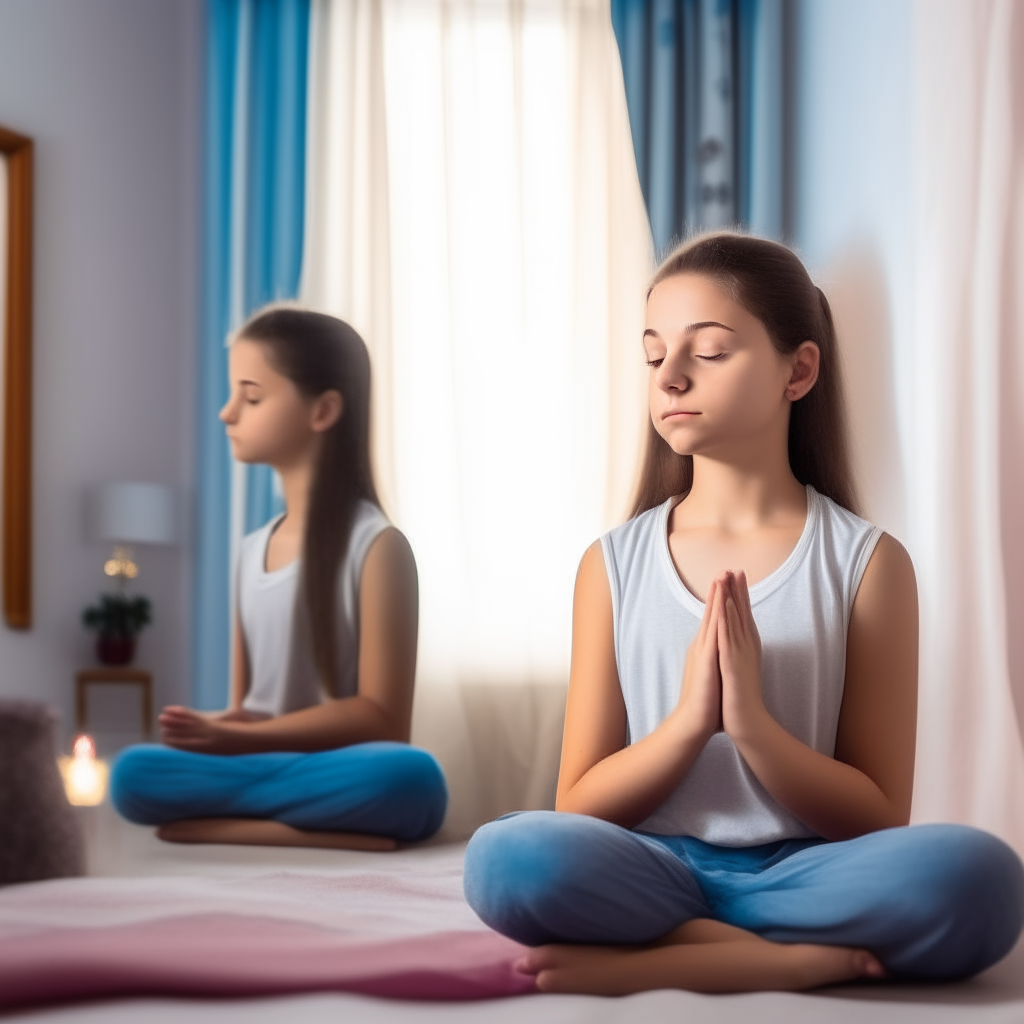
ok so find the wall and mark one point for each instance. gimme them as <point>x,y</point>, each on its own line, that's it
<point>853,217</point>
<point>111,92</point>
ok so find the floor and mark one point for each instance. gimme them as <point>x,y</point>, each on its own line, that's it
<point>118,849</point>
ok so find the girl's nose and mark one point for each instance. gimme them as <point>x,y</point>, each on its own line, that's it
<point>227,413</point>
<point>672,378</point>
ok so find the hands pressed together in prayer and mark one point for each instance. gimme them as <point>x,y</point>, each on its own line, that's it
<point>722,680</point>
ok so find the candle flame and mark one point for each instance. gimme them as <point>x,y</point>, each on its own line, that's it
<point>85,776</point>
<point>84,748</point>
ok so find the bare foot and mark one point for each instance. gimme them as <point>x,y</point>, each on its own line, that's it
<point>592,970</point>
<point>830,965</point>
<point>743,965</point>
<point>261,832</point>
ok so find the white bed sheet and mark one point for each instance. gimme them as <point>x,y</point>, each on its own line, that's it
<point>119,850</point>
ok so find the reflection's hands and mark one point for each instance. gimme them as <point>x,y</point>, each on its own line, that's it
<point>187,729</point>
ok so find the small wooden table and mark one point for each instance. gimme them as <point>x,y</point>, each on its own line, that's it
<point>114,674</point>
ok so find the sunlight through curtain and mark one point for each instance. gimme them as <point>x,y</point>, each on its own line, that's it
<point>965,482</point>
<point>474,210</point>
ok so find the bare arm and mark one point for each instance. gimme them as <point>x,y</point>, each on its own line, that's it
<point>600,775</point>
<point>867,786</point>
<point>381,710</point>
<point>239,668</point>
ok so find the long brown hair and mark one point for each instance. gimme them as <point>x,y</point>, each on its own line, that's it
<point>770,282</point>
<point>320,353</point>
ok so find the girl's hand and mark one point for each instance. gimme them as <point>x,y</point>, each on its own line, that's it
<point>700,700</point>
<point>192,730</point>
<point>739,654</point>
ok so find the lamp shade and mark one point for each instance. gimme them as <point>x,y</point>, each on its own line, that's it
<point>131,513</point>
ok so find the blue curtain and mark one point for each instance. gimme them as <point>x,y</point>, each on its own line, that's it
<point>276,184</point>
<point>254,188</point>
<point>705,89</point>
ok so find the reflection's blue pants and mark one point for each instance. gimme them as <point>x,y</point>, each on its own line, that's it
<point>384,789</point>
<point>930,901</point>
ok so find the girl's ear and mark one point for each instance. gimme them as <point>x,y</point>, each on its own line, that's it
<point>326,411</point>
<point>806,361</point>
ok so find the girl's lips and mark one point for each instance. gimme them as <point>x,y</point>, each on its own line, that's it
<point>679,412</point>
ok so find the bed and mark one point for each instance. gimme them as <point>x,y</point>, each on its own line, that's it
<point>222,934</point>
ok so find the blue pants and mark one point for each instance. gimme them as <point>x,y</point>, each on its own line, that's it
<point>385,789</point>
<point>930,901</point>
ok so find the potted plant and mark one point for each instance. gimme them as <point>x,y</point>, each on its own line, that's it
<point>117,618</point>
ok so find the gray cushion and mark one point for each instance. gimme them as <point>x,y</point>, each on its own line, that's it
<point>39,834</point>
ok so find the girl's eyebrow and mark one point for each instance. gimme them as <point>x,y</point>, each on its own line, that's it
<point>692,328</point>
<point>253,383</point>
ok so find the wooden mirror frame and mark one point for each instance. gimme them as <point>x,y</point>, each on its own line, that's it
<point>17,413</point>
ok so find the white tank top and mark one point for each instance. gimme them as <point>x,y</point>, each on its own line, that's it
<point>282,675</point>
<point>802,611</point>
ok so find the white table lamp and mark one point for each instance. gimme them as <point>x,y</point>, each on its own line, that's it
<point>130,513</point>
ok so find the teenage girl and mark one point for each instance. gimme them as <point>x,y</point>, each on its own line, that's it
<point>316,738</point>
<point>738,754</point>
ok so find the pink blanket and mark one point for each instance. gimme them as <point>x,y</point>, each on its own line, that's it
<point>407,935</point>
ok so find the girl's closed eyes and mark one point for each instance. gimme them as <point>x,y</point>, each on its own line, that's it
<point>703,356</point>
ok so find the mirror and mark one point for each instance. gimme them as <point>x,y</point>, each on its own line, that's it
<point>16,390</point>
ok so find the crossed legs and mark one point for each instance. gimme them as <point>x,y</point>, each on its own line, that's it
<point>618,911</point>
<point>388,790</point>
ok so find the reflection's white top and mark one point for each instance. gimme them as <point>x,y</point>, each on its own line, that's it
<point>282,674</point>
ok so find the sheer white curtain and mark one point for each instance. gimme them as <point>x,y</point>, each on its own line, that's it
<point>474,211</point>
<point>966,479</point>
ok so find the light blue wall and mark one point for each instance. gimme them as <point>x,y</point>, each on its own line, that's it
<point>853,127</point>
<point>852,212</point>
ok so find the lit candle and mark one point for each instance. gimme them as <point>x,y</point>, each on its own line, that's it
<point>85,776</point>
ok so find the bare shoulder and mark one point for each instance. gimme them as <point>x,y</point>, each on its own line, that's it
<point>388,628</point>
<point>592,599</point>
<point>389,578</point>
<point>591,577</point>
<point>593,667</point>
<point>889,551</point>
<point>390,553</point>
<point>889,582</point>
